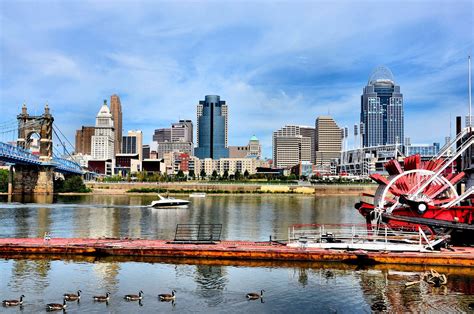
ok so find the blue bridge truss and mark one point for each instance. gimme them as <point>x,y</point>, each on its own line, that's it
<point>16,155</point>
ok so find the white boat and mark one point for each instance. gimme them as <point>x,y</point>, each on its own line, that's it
<point>169,202</point>
<point>197,194</point>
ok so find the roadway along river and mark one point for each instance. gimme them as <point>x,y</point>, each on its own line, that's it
<point>208,286</point>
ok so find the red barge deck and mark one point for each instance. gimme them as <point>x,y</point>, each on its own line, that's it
<point>228,250</point>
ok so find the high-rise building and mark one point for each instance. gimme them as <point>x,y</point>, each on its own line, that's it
<point>103,138</point>
<point>290,147</point>
<point>84,140</point>
<point>181,132</point>
<point>133,143</point>
<point>116,110</point>
<point>162,135</point>
<point>308,131</point>
<point>189,125</point>
<point>382,110</point>
<point>212,128</point>
<point>328,141</point>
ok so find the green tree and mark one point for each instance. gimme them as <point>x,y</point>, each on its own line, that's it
<point>237,175</point>
<point>225,176</point>
<point>192,174</point>
<point>3,180</point>
<point>246,174</point>
<point>72,184</point>
<point>214,175</point>
<point>203,174</point>
<point>180,174</point>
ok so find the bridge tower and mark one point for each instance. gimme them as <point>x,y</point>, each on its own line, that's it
<point>34,179</point>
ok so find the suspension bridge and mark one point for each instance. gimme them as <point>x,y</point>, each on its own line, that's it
<point>26,145</point>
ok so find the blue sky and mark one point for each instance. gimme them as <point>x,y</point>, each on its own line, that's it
<point>275,63</point>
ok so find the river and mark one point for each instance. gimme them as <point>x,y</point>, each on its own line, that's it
<point>208,286</point>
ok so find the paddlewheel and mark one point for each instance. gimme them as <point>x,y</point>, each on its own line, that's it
<point>420,193</point>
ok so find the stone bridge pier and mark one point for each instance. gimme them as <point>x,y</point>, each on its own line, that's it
<point>33,179</point>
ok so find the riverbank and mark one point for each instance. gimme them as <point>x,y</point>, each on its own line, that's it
<point>226,188</point>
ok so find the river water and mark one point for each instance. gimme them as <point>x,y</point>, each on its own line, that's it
<point>208,286</point>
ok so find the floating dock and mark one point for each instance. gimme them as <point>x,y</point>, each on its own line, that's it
<point>228,250</point>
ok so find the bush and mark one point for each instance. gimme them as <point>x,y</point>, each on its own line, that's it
<point>71,184</point>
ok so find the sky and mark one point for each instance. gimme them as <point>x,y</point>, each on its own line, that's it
<point>274,63</point>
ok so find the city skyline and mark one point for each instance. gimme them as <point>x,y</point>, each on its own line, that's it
<point>313,59</point>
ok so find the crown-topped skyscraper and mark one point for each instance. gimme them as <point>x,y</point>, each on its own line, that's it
<point>382,110</point>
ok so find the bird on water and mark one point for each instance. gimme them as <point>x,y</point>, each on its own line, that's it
<point>102,298</point>
<point>56,306</point>
<point>134,297</point>
<point>13,302</point>
<point>255,295</point>
<point>72,296</point>
<point>167,296</point>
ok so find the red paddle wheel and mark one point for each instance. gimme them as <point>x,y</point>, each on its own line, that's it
<point>420,193</point>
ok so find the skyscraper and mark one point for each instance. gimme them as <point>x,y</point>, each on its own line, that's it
<point>212,128</point>
<point>116,110</point>
<point>290,147</point>
<point>382,110</point>
<point>328,141</point>
<point>84,140</point>
<point>103,138</point>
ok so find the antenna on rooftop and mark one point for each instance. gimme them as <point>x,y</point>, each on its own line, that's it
<point>469,87</point>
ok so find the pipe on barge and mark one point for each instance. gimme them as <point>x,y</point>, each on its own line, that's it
<point>229,250</point>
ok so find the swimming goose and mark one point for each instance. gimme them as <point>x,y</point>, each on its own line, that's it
<point>255,295</point>
<point>102,298</point>
<point>72,296</point>
<point>13,302</point>
<point>167,296</point>
<point>56,306</point>
<point>134,297</point>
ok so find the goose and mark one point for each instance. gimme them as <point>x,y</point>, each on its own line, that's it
<point>134,297</point>
<point>102,298</point>
<point>13,302</point>
<point>72,296</point>
<point>255,295</point>
<point>56,306</point>
<point>167,296</point>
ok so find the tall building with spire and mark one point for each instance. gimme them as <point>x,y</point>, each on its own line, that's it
<point>382,110</point>
<point>103,138</point>
<point>116,110</point>
<point>212,128</point>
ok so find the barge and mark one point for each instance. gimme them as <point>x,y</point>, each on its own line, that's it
<point>228,250</point>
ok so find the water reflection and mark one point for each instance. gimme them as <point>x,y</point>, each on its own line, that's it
<point>245,217</point>
<point>204,285</point>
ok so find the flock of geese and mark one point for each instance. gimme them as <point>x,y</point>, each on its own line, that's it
<point>70,297</point>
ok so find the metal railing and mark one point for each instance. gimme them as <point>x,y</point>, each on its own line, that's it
<point>359,237</point>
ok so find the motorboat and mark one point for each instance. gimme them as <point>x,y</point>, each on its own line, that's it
<point>169,202</point>
<point>197,194</point>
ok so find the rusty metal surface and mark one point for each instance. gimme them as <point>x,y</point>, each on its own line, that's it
<point>229,250</point>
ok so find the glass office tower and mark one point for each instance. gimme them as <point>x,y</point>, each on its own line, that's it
<point>382,110</point>
<point>212,128</point>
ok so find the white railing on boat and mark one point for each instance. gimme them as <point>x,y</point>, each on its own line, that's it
<point>358,237</point>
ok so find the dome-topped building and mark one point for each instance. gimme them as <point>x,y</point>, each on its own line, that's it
<point>382,110</point>
<point>381,75</point>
